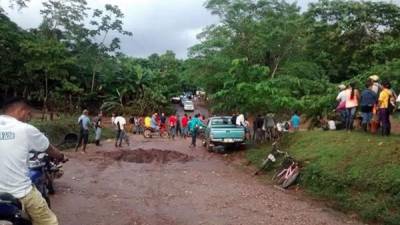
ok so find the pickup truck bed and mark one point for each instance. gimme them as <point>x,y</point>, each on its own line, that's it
<point>220,131</point>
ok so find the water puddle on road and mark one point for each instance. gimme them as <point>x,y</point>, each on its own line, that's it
<point>149,156</point>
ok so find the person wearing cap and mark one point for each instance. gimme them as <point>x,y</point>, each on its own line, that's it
<point>376,86</point>
<point>84,124</point>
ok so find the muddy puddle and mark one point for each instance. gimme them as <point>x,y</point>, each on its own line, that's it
<point>149,156</point>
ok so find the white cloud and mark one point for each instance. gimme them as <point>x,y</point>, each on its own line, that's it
<point>157,25</point>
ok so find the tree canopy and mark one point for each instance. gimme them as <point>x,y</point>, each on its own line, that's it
<point>262,56</point>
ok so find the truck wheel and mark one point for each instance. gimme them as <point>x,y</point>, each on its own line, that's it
<point>208,146</point>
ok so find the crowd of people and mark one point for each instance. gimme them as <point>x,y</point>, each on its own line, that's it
<point>173,125</point>
<point>376,103</point>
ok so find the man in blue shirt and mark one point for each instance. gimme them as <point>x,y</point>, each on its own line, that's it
<point>194,125</point>
<point>154,124</point>
<point>84,123</point>
<point>295,121</point>
<point>368,99</point>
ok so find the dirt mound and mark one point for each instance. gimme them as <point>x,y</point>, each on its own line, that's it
<point>149,156</point>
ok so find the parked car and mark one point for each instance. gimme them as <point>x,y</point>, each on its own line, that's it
<point>189,95</point>
<point>183,99</point>
<point>221,132</point>
<point>188,106</point>
<point>176,100</point>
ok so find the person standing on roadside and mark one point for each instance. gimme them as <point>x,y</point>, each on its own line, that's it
<point>247,129</point>
<point>194,126</point>
<point>240,120</point>
<point>383,108</point>
<point>178,126</point>
<point>184,125</point>
<point>376,86</point>
<point>352,98</point>
<point>84,124</point>
<point>163,121</point>
<point>120,123</point>
<point>172,125</point>
<point>98,128</point>
<point>259,123</point>
<point>295,121</point>
<point>132,124</point>
<point>368,99</point>
<point>341,99</point>
<point>233,119</point>
<point>113,115</point>
<point>140,125</point>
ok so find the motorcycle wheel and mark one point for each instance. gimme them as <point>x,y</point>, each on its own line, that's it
<point>147,134</point>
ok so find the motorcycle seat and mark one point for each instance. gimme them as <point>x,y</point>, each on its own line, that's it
<point>6,198</point>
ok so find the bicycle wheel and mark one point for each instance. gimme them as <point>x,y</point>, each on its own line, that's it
<point>279,175</point>
<point>291,179</point>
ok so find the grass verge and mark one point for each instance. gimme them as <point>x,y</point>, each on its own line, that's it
<point>56,130</point>
<point>360,172</point>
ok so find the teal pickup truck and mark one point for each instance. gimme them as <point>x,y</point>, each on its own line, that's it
<point>221,132</point>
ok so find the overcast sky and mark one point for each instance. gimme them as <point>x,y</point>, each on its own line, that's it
<point>157,25</point>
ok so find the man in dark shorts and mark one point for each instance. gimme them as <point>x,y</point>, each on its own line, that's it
<point>84,123</point>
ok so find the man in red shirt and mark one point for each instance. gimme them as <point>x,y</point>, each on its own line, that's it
<point>172,126</point>
<point>184,124</point>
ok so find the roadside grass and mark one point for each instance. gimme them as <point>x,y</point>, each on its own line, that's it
<point>56,129</point>
<point>360,172</point>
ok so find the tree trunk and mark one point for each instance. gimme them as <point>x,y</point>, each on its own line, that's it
<point>277,60</point>
<point>93,79</point>
<point>24,93</point>
<point>44,110</point>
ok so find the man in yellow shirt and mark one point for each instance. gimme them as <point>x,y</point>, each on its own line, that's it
<point>147,122</point>
<point>383,107</point>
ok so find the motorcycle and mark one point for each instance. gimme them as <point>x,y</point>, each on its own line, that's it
<point>150,132</point>
<point>42,172</point>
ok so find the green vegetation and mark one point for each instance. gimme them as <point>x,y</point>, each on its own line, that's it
<point>262,56</point>
<point>269,56</point>
<point>360,172</point>
<point>66,63</point>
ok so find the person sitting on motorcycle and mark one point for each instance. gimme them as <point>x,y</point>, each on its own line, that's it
<point>154,124</point>
<point>147,122</point>
<point>17,139</point>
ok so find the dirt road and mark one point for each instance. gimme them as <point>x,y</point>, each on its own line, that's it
<point>183,186</point>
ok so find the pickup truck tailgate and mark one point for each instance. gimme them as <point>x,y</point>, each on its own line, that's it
<point>236,134</point>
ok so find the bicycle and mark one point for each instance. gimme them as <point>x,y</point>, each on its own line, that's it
<point>271,157</point>
<point>288,173</point>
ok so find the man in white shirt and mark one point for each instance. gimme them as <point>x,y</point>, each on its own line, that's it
<point>17,138</point>
<point>341,98</point>
<point>120,122</point>
<point>240,120</point>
